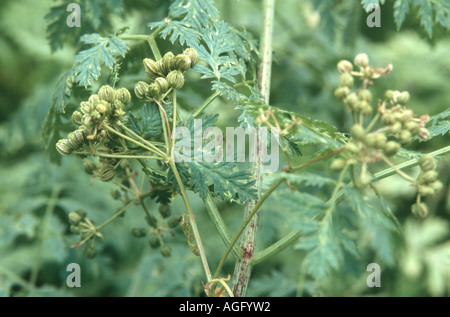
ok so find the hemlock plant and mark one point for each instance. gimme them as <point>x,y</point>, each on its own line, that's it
<point>124,131</point>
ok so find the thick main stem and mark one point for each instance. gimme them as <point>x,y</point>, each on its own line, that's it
<point>243,266</point>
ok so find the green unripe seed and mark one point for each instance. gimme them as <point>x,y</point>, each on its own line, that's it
<point>182,62</point>
<point>403,97</point>
<point>425,190</point>
<point>74,229</point>
<point>429,176</point>
<point>123,95</point>
<point>139,232</point>
<point>102,107</point>
<point>406,115</point>
<point>192,54</point>
<point>420,210</point>
<point>115,194</point>
<point>338,164</point>
<point>77,117</point>
<point>151,67</point>
<point>173,222</point>
<point>366,110</point>
<point>166,251</point>
<point>351,100</point>
<point>437,186</point>
<point>76,138</point>
<point>75,218</point>
<point>152,221</point>
<point>395,128</point>
<point>175,79</point>
<point>90,252</point>
<point>140,89</point>
<point>154,91</point>
<point>427,162</point>
<point>405,137</point>
<point>357,132</point>
<point>162,83</point>
<point>94,99</point>
<point>365,95</point>
<point>154,242</point>
<point>391,148</point>
<point>353,147</point>
<point>344,66</point>
<point>88,166</point>
<point>412,127</point>
<point>341,93</point>
<point>370,140</point>
<point>380,140</point>
<point>362,60</point>
<point>107,93</point>
<point>167,63</point>
<point>346,80</point>
<point>164,211</point>
<point>388,118</point>
<point>64,147</point>
<point>86,107</point>
<point>107,173</point>
<point>389,94</point>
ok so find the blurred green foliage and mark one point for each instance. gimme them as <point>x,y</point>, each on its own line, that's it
<point>37,196</point>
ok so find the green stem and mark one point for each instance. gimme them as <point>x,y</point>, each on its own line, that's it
<point>133,140</point>
<point>205,104</point>
<point>120,156</point>
<point>399,172</point>
<point>151,41</point>
<point>371,124</point>
<point>220,225</point>
<point>277,247</point>
<point>117,214</point>
<point>410,163</point>
<point>137,37</point>
<point>319,158</point>
<point>245,223</point>
<point>243,266</point>
<point>201,249</point>
<point>41,233</point>
<point>174,119</point>
<point>144,141</point>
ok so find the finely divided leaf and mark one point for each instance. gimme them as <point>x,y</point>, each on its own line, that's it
<point>88,63</point>
<point>226,184</point>
<point>147,122</point>
<point>440,123</point>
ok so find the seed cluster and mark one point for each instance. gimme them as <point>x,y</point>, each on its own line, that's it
<point>166,73</point>
<point>107,106</point>
<point>157,228</point>
<point>398,126</point>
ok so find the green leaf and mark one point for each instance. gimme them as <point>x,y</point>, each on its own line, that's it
<point>439,124</point>
<point>377,222</point>
<point>88,63</point>
<point>226,183</point>
<point>401,8</point>
<point>147,122</point>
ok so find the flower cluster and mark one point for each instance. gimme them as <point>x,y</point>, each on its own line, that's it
<point>166,73</point>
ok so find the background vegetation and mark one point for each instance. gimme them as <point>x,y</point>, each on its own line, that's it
<point>310,37</point>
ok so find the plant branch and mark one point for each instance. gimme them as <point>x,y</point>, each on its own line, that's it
<point>245,223</point>
<point>243,266</point>
<point>319,158</point>
<point>220,225</point>
<point>277,247</point>
<point>192,222</point>
<point>205,104</point>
